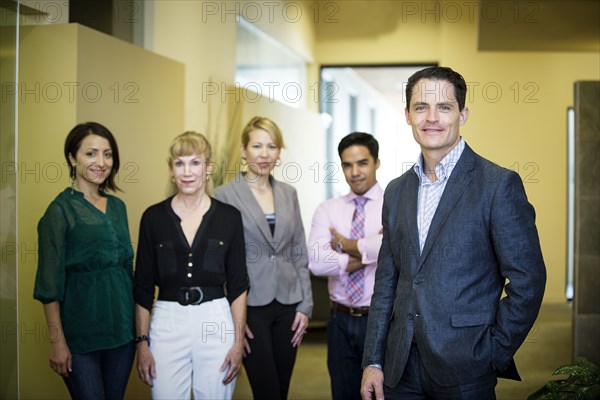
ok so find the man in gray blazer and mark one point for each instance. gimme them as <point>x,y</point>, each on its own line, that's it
<point>457,232</point>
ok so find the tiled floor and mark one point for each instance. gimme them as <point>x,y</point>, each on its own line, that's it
<point>547,347</point>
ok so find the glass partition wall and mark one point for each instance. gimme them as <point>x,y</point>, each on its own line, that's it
<point>9,34</point>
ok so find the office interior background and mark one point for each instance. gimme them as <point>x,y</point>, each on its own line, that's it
<point>151,69</point>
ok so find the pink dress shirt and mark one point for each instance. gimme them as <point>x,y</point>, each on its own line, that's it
<point>325,261</point>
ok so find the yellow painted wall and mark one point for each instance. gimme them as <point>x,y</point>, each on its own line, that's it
<point>79,75</point>
<point>518,100</point>
<point>185,31</point>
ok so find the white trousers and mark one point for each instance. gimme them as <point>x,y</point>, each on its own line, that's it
<point>189,344</point>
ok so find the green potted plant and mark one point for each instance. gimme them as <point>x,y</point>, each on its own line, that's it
<point>583,382</point>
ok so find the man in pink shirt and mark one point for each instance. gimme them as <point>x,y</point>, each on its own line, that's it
<point>346,237</point>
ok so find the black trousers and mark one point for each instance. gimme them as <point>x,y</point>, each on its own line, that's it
<point>271,361</point>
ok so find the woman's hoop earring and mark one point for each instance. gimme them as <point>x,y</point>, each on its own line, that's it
<point>278,162</point>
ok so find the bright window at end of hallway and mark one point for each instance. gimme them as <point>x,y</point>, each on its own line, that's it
<point>267,68</point>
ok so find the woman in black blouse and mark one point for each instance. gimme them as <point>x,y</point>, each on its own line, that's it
<point>192,247</point>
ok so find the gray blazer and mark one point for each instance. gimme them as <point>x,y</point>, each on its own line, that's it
<point>482,240</point>
<point>277,264</point>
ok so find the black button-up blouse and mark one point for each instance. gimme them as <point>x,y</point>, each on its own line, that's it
<point>217,256</point>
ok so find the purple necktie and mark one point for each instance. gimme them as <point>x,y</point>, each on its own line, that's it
<point>355,285</point>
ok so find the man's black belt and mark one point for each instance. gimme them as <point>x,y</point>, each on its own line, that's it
<point>192,295</point>
<point>354,311</point>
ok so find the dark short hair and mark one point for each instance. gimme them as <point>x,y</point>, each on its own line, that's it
<point>360,139</point>
<point>439,74</point>
<point>73,143</point>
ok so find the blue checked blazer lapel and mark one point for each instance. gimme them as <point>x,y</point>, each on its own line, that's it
<point>412,200</point>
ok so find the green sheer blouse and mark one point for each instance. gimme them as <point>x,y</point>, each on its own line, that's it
<point>86,263</point>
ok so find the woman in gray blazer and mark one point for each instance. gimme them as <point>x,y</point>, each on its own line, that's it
<point>280,298</point>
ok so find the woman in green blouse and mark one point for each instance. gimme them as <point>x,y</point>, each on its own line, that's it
<point>84,276</point>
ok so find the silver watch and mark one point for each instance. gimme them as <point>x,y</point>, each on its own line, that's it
<point>339,247</point>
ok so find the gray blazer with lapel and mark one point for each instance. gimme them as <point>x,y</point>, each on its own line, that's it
<point>277,264</point>
<point>449,297</point>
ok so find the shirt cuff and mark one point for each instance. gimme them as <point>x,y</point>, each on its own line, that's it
<point>343,259</point>
<point>369,248</point>
<point>361,247</point>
